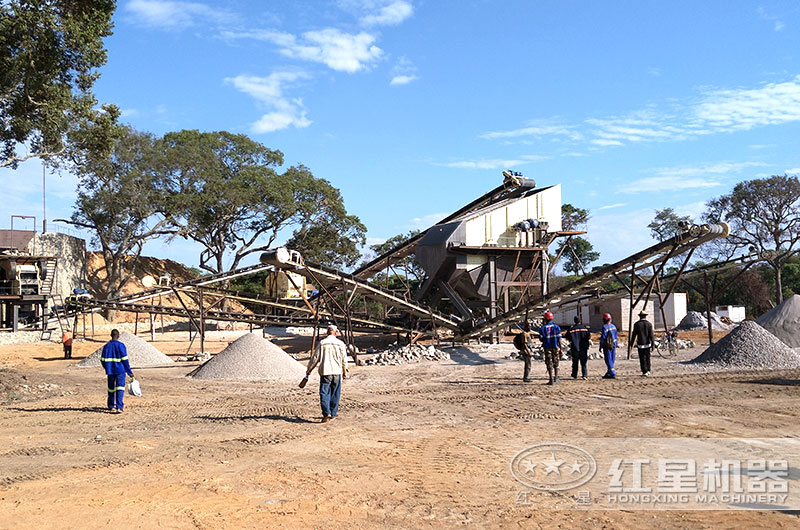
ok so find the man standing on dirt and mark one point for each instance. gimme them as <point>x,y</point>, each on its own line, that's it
<point>608,346</point>
<point>643,339</point>
<point>521,343</point>
<point>578,336</point>
<point>550,335</point>
<point>331,356</point>
<point>114,359</point>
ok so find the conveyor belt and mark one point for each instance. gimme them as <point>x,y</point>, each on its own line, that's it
<point>583,287</point>
<point>505,191</point>
<point>362,325</point>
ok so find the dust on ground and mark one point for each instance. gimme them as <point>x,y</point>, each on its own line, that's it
<point>423,445</point>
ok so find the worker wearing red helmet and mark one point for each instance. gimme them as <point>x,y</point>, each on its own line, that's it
<point>550,335</point>
<point>608,346</point>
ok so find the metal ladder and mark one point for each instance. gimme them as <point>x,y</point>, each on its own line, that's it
<point>59,310</point>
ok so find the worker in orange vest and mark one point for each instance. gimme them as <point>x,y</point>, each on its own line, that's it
<point>66,340</point>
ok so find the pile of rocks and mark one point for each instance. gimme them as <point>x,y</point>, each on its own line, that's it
<point>200,356</point>
<point>411,353</point>
<point>27,337</point>
<point>680,344</point>
<point>694,321</point>
<point>140,353</point>
<point>750,346</point>
<point>251,358</point>
<point>783,321</point>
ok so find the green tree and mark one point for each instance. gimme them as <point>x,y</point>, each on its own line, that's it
<point>764,216</point>
<point>230,199</point>
<point>578,255</point>
<point>119,199</point>
<point>666,224</point>
<point>50,51</point>
<point>573,218</point>
<point>415,271</point>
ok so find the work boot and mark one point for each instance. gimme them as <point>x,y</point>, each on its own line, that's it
<point>550,382</point>
<point>326,419</point>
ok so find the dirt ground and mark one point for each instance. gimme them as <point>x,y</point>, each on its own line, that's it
<point>416,446</point>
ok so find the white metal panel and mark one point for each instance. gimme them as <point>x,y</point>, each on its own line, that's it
<point>496,226</point>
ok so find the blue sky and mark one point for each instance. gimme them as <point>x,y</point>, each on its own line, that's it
<point>413,107</point>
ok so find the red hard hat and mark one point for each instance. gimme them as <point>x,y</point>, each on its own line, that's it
<point>548,315</point>
<point>606,316</point>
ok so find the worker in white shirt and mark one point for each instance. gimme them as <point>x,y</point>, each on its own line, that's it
<point>331,356</point>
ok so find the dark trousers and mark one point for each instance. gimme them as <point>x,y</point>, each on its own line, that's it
<point>330,390</point>
<point>582,357</point>
<point>116,391</point>
<point>644,359</point>
<point>526,374</point>
<point>68,351</point>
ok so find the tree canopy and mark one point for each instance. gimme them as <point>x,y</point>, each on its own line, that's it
<point>229,197</point>
<point>666,224</point>
<point>764,216</point>
<point>50,51</point>
<point>579,252</point>
<point>119,198</point>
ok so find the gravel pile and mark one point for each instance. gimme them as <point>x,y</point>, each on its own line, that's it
<point>412,353</point>
<point>694,320</point>
<point>251,358</point>
<point>784,321</point>
<point>140,353</point>
<point>750,346</point>
<point>27,337</point>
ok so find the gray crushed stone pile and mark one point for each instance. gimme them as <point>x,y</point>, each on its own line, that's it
<point>140,353</point>
<point>694,320</point>
<point>412,353</point>
<point>750,346</point>
<point>783,321</point>
<point>251,358</point>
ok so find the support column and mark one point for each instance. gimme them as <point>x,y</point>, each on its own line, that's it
<point>493,294</point>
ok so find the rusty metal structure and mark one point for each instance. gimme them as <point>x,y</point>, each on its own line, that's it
<point>486,267</point>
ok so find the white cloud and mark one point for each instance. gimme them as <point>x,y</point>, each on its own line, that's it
<point>426,221</point>
<point>269,91</point>
<point>656,184</point>
<point>713,111</point>
<point>344,52</point>
<point>403,72</point>
<point>175,15</point>
<point>611,206</point>
<point>532,130</point>
<point>389,15</point>
<point>125,113</point>
<point>494,163</point>
<point>719,168</point>
<point>742,109</point>
<point>654,72</point>
<point>605,143</point>
<point>402,79</point>
<point>793,171</point>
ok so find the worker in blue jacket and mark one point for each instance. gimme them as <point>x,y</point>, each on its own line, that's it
<point>608,346</point>
<point>550,335</point>
<point>114,359</point>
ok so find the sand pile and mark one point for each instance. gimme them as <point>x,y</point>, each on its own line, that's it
<point>784,321</point>
<point>140,353</point>
<point>750,346</point>
<point>251,358</point>
<point>695,320</point>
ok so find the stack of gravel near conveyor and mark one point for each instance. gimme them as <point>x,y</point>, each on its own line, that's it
<point>140,353</point>
<point>695,320</point>
<point>784,321</point>
<point>251,358</point>
<point>750,346</point>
